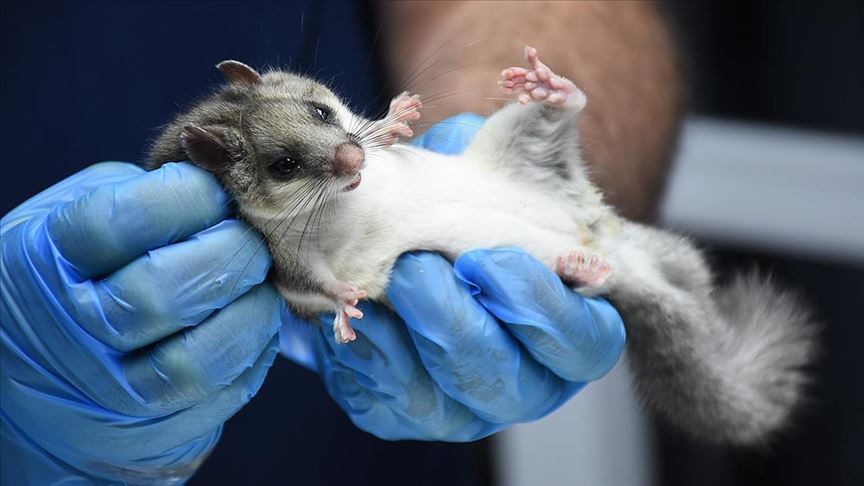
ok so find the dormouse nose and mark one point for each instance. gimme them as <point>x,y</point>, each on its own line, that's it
<point>348,159</point>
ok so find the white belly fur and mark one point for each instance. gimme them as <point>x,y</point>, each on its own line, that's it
<point>449,204</point>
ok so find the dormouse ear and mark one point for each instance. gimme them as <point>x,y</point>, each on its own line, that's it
<point>238,73</point>
<point>212,147</point>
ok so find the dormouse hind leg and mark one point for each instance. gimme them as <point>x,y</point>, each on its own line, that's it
<point>587,273</point>
<point>536,138</point>
<point>539,83</point>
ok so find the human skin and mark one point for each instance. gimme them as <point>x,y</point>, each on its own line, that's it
<point>619,53</point>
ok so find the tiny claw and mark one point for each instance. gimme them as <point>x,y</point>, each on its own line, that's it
<point>590,272</point>
<point>342,330</point>
<point>539,83</point>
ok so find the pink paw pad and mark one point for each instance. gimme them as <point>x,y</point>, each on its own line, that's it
<point>577,269</point>
<point>347,296</point>
<point>539,83</point>
<point>404,109</point>
<point>342,329</point>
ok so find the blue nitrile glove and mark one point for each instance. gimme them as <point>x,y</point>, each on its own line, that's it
<point>134,323</point>
<point>472,348</point>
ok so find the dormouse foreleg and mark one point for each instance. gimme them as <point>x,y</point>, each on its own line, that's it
<point>404,109</point>
<point>342,295</point>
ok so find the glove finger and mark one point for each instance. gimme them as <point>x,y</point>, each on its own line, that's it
<point>452,135</point>
<point>71,188</point>
<point>379,380</point>
<point>114,224</point>
<point>466,350</point>
<point>78,433</point>
<point>189,366</point>
<point>196,421</point>
<point>579,339</point>
<point>178,285</point>
<point>298,339</point>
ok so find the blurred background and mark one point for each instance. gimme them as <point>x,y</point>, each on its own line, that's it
<point>770,172</point>
<point>787,159</point>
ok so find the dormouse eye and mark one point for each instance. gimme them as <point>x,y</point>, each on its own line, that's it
<point>323,112</point>
<point>284,167</point>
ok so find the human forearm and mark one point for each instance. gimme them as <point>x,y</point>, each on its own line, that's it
<point>619,53</point>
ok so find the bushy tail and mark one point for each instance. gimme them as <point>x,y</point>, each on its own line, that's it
<point>732,369</point>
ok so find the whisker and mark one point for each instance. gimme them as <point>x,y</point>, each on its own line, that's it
<point>415,74</point>
<point>251,228</point>
<point>369,55</point>
<point>269,234</point>
<point>324,208</point>
<point>457,68</point>
<point>315,207</point>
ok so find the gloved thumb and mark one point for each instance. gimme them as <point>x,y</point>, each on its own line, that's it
<point>579,339</point>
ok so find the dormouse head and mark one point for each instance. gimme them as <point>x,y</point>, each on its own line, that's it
<point>275,139</point>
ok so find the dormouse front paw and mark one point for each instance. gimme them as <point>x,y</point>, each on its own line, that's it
<point>404,109</point>
<point>347,296</point>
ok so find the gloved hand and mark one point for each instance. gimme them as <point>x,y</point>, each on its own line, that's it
<point>134,323</point>
<point>472,348</point>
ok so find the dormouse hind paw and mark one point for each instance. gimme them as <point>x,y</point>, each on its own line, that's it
<point>587,274</point>
<point>539,83</point>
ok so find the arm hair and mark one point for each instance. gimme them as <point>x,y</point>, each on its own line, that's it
<point>619,53</point>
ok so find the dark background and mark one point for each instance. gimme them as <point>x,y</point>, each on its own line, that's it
<point>784,62</point>
<point>85,82</point>
<point>797,64</point>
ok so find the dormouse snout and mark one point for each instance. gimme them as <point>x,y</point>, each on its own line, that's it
<point>348,159</point>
